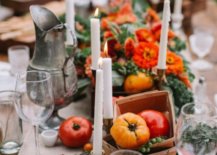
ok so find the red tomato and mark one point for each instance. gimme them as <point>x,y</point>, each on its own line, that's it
<point>156,122</point>
<point>75,131</point>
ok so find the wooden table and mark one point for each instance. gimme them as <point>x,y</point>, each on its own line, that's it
<point>80,108</point>
<point>206,19</point>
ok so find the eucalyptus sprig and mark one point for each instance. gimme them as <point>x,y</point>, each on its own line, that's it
<point>202,137</point>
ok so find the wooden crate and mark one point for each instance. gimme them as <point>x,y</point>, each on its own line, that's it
<point>154,100</point>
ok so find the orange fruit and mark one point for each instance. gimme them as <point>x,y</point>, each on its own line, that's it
<point>137,83</point>
<point>88,147</point>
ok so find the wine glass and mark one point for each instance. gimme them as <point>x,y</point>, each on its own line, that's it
<point>201,44</point>
<point>35,102</point>
<point>196,133</point>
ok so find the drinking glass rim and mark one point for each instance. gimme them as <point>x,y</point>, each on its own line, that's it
<point>19,46</point>
<point>8,91</point>
<point>186,105</point>
<point>13,92</point>
<point>48,76</point>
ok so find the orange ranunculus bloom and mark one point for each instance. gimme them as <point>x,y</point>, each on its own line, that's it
<point>174,64</point>
<point>124,15</point>
<point>156,30</point>
<point>87,66</point>
<point>152,16</point>
<point>184,78</point>
<point>129,46</point>
<point>113,47</point>
<point>144,35</point>
<point>107,34</point>
<point>146,55</point>
<point>115,3</point>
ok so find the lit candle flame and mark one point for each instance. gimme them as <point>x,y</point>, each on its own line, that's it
<point>106,49</point>
<point>96,14</point>
<point>100,62</point>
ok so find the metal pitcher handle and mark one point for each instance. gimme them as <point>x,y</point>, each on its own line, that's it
<point>73,35</point>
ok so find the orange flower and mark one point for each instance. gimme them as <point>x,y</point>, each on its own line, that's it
<point>113,47</point>
<point>107,34</point>
<point>184,78</point>
<point>87,66</point>
<point>156,30</point>
<point>152,16</point>
<point>115,3</point>
<point>174,64</point>
<point>124,15</point>
<point>129,46</point>
<point>144,35</point>
<point>146,55</point>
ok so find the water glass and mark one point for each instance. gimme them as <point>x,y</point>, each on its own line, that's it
<point>18,58</point>
<point>34,102</point>
<point>11,136</point>
<point>196,133</point>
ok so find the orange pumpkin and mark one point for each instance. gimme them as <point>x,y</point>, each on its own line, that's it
<point>130,131</point>
<point>138,83</point>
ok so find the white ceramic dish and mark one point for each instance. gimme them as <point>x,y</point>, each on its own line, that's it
<point>49,137</point>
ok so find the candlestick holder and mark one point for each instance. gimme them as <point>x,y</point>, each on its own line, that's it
<point>103,152</point>
<point>177,21</point>
<point>161,78</point>
<point>107,124</point>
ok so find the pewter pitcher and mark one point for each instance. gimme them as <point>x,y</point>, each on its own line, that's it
<point>50,55</point>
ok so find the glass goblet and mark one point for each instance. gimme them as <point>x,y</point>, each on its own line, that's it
<point>196,133</point>
<point>34,102</point>
<point>201,44</point>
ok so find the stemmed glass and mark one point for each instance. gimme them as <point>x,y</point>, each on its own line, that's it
<point>196,132</point>
<point>201,44</point>
<point>34,102</point>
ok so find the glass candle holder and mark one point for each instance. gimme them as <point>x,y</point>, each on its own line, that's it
<point>18,58</point>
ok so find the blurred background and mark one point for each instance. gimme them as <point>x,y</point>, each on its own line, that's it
<point>16,26</point>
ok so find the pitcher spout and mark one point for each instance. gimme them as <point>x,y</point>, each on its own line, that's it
<point>50,33</point>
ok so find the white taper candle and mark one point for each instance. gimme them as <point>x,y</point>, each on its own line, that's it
<point>100,2</point>
<point>164,36</point>
<point>107,82</point>
<point>70,19</point>
<point>95,41</point>
<point>98,114</point>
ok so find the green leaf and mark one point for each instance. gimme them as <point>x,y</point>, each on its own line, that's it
<point>191,76</point>
<point>81,56</point>
<point>62,18</point>
<point>181,93</point>
<point>131,68</point>
<point>83,21</point>
<point>139,7</point>
<point>177,45</point>
<point>82,85</point>
<point>119,68</point>
<point>201,136</point>
<point>117,79</point>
